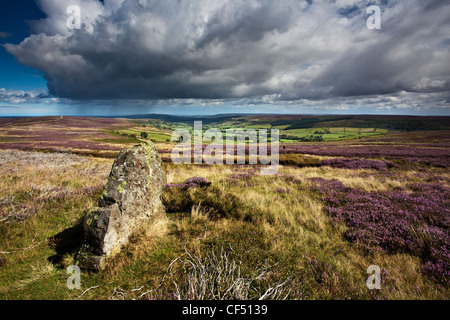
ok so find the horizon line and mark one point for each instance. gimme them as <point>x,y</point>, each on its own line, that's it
<point>223,114</point>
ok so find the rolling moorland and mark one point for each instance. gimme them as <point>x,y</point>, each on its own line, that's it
<point>351,192</point>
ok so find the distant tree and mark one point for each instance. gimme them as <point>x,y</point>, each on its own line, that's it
<point>144,135</point>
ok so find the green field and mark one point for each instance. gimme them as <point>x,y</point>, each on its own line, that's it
<point>160,130</point>
<point>154,134</point>
<point>336,133</point>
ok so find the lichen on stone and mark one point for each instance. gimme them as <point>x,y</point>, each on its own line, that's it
<point>130,198</point>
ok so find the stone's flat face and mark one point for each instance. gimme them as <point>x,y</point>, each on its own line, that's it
<point>130,198</point>
<point>134,172</point>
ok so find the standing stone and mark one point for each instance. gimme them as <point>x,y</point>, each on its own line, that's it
<point>131,198</point>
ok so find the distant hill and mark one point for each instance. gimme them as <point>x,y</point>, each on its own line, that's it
<point>289,122</point>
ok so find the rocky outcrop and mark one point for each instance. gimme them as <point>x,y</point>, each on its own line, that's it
<point>131,198</point>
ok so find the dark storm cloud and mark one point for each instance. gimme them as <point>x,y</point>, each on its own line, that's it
<point>283,50</point>
<point>409,55</point>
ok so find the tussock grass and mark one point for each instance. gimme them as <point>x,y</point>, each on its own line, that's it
<point>218,275</point>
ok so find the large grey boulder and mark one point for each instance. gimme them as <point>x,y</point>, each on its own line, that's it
<point>131,199</point>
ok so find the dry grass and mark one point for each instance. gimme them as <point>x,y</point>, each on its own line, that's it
<point>218,275</point>
<point>41,172</point>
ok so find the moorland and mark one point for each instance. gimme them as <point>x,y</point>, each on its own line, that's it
<point>350,192</point>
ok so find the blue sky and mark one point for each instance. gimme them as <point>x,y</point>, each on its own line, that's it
<point>13,23</point>
<point>223,56</point>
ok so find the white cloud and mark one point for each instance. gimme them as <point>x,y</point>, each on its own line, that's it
<point>21,96</point>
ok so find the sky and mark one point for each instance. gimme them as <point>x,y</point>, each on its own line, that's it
<point>224,56</point>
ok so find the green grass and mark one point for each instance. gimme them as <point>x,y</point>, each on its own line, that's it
<point>335,134</point>
<point>154,134</point>
<point>27,273</point>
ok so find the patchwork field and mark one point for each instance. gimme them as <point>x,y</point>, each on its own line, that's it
<point>334,208</point>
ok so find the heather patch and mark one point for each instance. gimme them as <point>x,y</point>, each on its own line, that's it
<point>283,190</point>
<point>414,220</point>
<point>356,164</point>
<point>241,176</point>
<point>436,156</point>
<point>84,136</point>
<point>22,206</point>
<point>191,183</point>
<point>321,271</point>
<point>242,179</point>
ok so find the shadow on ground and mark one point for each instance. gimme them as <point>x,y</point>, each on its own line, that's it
<point>66,242</point>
